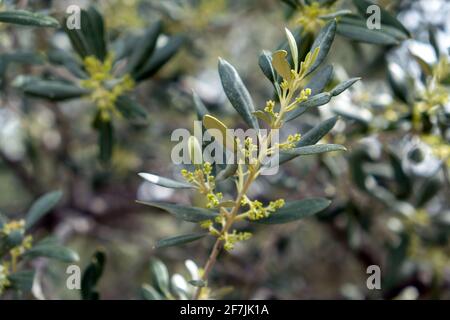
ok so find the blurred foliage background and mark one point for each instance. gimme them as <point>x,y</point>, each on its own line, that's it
<point>390,191</point>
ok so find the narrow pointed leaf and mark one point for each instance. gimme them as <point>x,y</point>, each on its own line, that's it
<point>150,293</point>
<point>265,63</point>
<point>92,275</point>
<point>343,86</point>
<point>53,251</point>
<point>218,130</point>
<point>323,41</point>
<point>229,171</point>
<point>237,93</point>
<point>386,17</point>
<point>315,149</point>
<point>179,240</point>
<point>41,207</point>
<point>314,101</point>
<point>143,52</point>
<point>190,214</point>
<point>296,210</point>
<point>159,59</point>
<point>199,106</point>
<point>53,90</point>
<point>320,80</point>
<point>28,18</point>
<point>165,182</point>
<point>311,137</point>
<point>130,109</point>
<point>22,280</point>
<point>281,65</point>
<point>160,276</point>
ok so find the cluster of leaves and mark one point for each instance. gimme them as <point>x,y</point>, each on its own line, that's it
<point>311,14</point>
<point>166,287</point>
<point>103,72</point>
<point>296,93</point>
<point>18,248</point>
<point>401,171</point>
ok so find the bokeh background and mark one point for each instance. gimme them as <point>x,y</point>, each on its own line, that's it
<point>46,146</point>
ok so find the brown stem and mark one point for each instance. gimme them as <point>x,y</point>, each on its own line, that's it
<point>216,249</point>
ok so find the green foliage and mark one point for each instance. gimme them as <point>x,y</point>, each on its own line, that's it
<point>99,79</point>
<point>92,275</point>
<point>17,246</point>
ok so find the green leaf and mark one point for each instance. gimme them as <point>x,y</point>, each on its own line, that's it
<point>22,280</point>
<point>63,58</point>
<point>427,191</point>
<point>93,30</point>
<point>28,18</point>
<point>92,275</point>
<point>323,41</point>
<point>50,249</point>
<point>150,293</point>
<point>311,137</point>
<point>320,99</point>
<point>315,149</point>
<point>78,40</point>
<point>219,131</point>
<point>229,171</point>
<point>265,63</point>
<point>144,50</point>
<point>130,109</point>
<point>355,28</point>
<point>159,58</point>
<point>105,140</point>
<point>41,207</point>
<point>320,80</point>
<point>160,276</point>
<point>179,240</point>
<point>190,214</point>
<point>237,93</point>
<point>296,210</point>
<point>386,17</point>
<point>432,31</point>
<point>314,101</point>
<point>343,86</point>
<point>336,14</point>
<point>197,283</point>
<point>403,181</point>
<point>53,90</point>
<point>165,182</point>
<point>199,106</point>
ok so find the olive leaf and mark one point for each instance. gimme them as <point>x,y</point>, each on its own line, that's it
<point>296,210</point>
<point>320,99</point>
<point>323,41</point>
<point>51,249</point>
<point>41,207</point>
<point>179,240</point>
<point>237,93</point>
<point>320,80</point>
<point>315,149</point>
<point>186,213</point>
<point>159,58</point>
<point>220,132</point>
<point>165,182</point>
<point>145,49</point>
<point>160,276</point>
<point>28,18</point>
<point>92,275</point>
<point>311,137</point>
<point>281,65</point>
<point>53,90</point>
